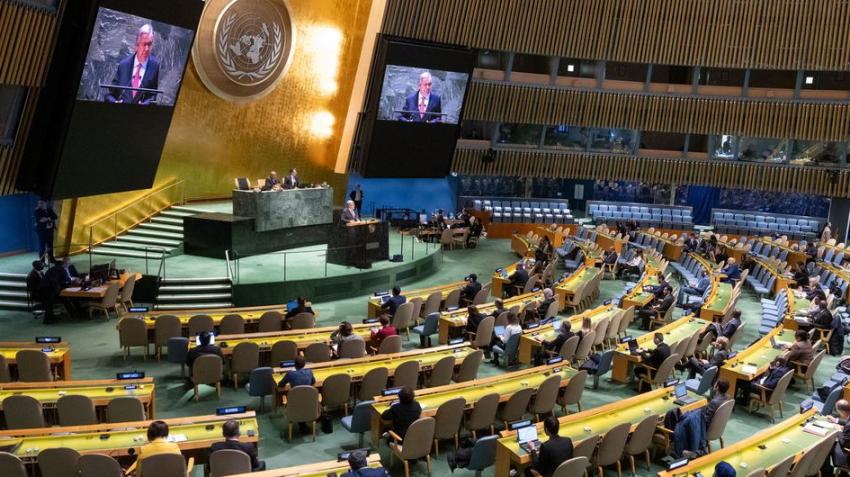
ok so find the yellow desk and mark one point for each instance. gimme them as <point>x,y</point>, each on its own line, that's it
<point>782,280</point>
<point>60,356</point>
<point>568,288</point>
<point>521,246</point>
<point>251,315</point>
<point>557,239</point>
<point>753,361</point>
<point>794,256</point>
<point>504,384</point>
<point>194,435</point>
<point>374,307</point>
<point>100,391</point>
<point>638,297</point>
<point>683,328</point>
<point>530,341</point>
<point>452,321</point>
<point>95,293</point>
<point>501,279</point>
<point>592,422</point>
<point>319,469</point>
<point>605,240</point>
<point>718,302</point>
<point>358,367</point>
<point>779,441</point>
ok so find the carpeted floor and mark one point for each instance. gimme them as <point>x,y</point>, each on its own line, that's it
<point>96,355</point>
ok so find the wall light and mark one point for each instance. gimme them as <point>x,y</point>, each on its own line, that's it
<point>571,68</point>
<point>324,45</point>
<point>810,80</point>
<point>321,124</point>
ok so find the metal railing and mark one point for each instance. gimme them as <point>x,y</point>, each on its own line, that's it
<point>123,219</point>
<point>155,258</point>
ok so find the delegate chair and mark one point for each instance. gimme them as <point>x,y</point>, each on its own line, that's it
<point>207,369</point>
<point>125,300</point>
<point>165,328</point>
<point>483,454</point>
<point>76,410</point>
<point>441,373</point>
<point>23,412</point>
<point>108,303</point>
<point>226,462</point>
<point>125,409</point>
<point>167,465</point>
<point>545,397</point>
<point>352,349</point>
<point>516,407</point>
<point>336,391</point>
<point>573,392</point>
<point>640,441</point>
<point>402,320</point>
<point>483,414</point>
<point>261,384</point>
<point>406,374</point>
<point>373,384</point>
<point>418,447</point>
<point>469,367</point>
<point>58,462</point>
<point>427,329</point>
<point>132,332</point>
<point>11,466</point>
<point>432,305</point>
<point>200,323</point>
<point>759,397</point>
<point>245,358</point>
<point>283,351</point>
<point>98,465</point>
<point>447,422</point>
<point>232,324</point>
<point>317,353</point>
<point>586,448</point>
<point>33,366</point>
<point>178,349</point>
<point>510,352</point>
<point>483,334</point>
<point>782,468</point>
<point>270,321</point>
<point>656,377</point>
<point>303,321</point>
<point>5,376</point>
<point>611,448</point>
<point>302,405</point>
<point>360,421</point>
<point>453,299</point>
<point>718,423</point>
<point>389,345</point>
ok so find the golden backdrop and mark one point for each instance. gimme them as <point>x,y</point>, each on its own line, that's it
<point>211,140</point>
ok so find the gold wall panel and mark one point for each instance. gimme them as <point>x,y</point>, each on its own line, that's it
<point>765,34</point>
<point>503,102</point>
<point>736,175</point>
<point>211,140</point>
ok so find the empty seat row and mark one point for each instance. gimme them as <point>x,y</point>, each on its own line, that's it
<point>653,215</point>
<point>764,224</point>
<point>512,204</point>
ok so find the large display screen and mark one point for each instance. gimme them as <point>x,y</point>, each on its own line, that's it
<point>414,107</point>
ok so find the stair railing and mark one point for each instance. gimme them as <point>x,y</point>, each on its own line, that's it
<point>118,221</point>
<point>231,265</point>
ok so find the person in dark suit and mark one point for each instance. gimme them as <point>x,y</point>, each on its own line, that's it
<point>423,106</point>
<point>721,395</point>
<point>40,291</point>
<point>272,182</point>
<point>732,272</point>
<point>609,257</point>
<point>517,279</point>
<point>543,306</point>
<point>291,180</point>
<point>554,345</point>
<point>139,70</point>
<point>698,366</point>
<point>230,431</point>
<point>205,347</point>
<point>301,308</point>
<point>356,196</point>
<point>653,358</point>
<point>473,318</point>
<point>659,307</point>
<point>395,301</point>
<point>359,464</point>
<point>349,213</point>
<point>472,287</point>
<point>70,274</point>
<point>402,414</point>
<point>778,367</point>
<point>839,455</point>
<point>552,452</point>
<point>716,329</point>
<point>45,225</point>
<point>821,317</point>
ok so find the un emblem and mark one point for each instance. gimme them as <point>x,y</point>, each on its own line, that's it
<point>244,47</point>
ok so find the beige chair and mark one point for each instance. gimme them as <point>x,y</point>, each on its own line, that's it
<point>403,318</point>
<point>317,353</point>
<point>545,396</point>
<point>336,391</point>
<point>132,332</point>
<point>245,358</point>
<point>284,351</point>
<point>611,448</point>
<point>627,319</point>
<point>232,324</point>
<point>200,323</point>
<point>207,369</point>
<point>374,383</point>
<point>656,377</point>
<point>568,349</point>
<point>23,412</point>
<point>469,367</point>
<point>33,366</point>
<point>167,465</point>
<point>58,462</point>
<point>11,466</point>
<point>76,410</point>
<point>302,321</point>
<point>640,441</point>
<point>812,458</point>
<point>432,304</point>
<point>572,467</point>
<point>601,332</point>
<point>613,329</point>
<point>447,422</point>
<point>574,302</point>
<point>446,239</point>
<point>165,327</point>
<point>502,319</point>
<point>125,409</point>
<point>302,405</point>
<point>573,392</point>
<point>516,406</point>
<point>718,423</point>
<point>126,298</point>
<point>226,462</point>
<point>270,321</point>
<point>406,374</point>
<point>453,298</point>
<point>585,346</point>
<point>108,303</point>
<point>98,465</point>
<point>586,448</point>
<point>807,373</point>
<point>483,414</point>
<point>390,345</point>
<point>782,468</point>
<point>417,308</point>
<point>760,396</point>
<point>442,371</point>
<point>5,376</point>
<point>422,431</point>
<point>481,297</point>
<point>350,349</point>
<point>484,333</point>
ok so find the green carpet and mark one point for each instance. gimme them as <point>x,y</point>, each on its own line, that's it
<point>96,355</point>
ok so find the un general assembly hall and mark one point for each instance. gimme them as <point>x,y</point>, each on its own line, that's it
<point>407,238</point>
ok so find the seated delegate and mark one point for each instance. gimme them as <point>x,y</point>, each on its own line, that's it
<point>230,431</point>
<point>204,337</point>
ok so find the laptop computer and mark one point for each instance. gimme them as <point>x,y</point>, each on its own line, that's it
<point>682,397</point>
<point>633,347</point>
<point>499,330</point>
<point>526,436</point>
<point>292,304</point>
<point>775,345</point>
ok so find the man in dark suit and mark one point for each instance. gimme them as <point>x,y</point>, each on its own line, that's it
<point>356,196</point>
<point>423,106</point>
<point>40,290</point>
<point>839,455</point>
<point>653,358</point>
<point>359,464</point>
<point>716,329</point>
<point>349,213</point>
<point>551,453</point>
<point>205,347</point>
<point>732,272</point>
<point>659,307</point>
<point>291,180</point>
<point>699,365</point>
<point>272,182</point>
<point>473,318</point>
<point>139,70</point>
<point>70,274</point>
<point>395,301</point>
<point>230,430</point>
<point>518,279</point>
<point>721,395</point>
<point>404,412</point>
<point>768,381</point>
<point>471,288</point>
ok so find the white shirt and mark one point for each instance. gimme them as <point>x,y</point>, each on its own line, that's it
<point>510,330</point>
<point>141,71</point>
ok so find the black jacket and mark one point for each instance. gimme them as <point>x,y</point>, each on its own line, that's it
<point>773,376</point>
<point>552,453</point>
<point>240,446</point>
<point>402,416</point>
<point>470,290</point>
<point>520,277</point>
<point>472,322</point>
<point>711,408</point>
<point>657,356</point>
<point>199,351</point>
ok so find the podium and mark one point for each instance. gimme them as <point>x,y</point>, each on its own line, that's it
<point>359,244</point>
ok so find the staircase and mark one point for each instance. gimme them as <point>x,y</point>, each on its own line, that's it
<point>194,293</point>
<point>13,291</point>
<point>163,232</point>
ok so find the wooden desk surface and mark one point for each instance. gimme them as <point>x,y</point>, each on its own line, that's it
<point>638,297</point>
<point>674,332</point>
<point>199,431</point>
<point>100,391</point>
<point>521,245</point>
<point>594,422</point>
<point>59,354</point>
<point>779,441</point>
<point>318,469</point>
<point>249,313</point>
<point>530,340</point>
<point>457,318</point>
<point>374,307</point>
<point>755,358</point>
<point>501,279</point>
<point>567,288</point>
<point>99,291</point>
<point>302,338</point>
<point>718,301</point>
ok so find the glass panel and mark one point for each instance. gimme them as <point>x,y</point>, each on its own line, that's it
<point>492,60</point>
<point>763,150</point>
<point>577,68</point>
<point>492,186</point>
<point>11,105</point>
<point>626,72</point>
<point>476,130</point>
<point>826,80</point>
<point>811,153</point>
<point>724,146</point>
<point>698,143</point>
<point>721,77</point>
<point>617,141</point>
<point>566,137</point>
<point>671,74</point>
<point>531,64</point>
<point>773,79</point>
<point>774,202</point>
<point>625,191</point>
<point>662,141</point>
<point>522,134</point>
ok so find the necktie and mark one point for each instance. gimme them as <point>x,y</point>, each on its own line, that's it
<point>421,107</point>
<point>137,78</point>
